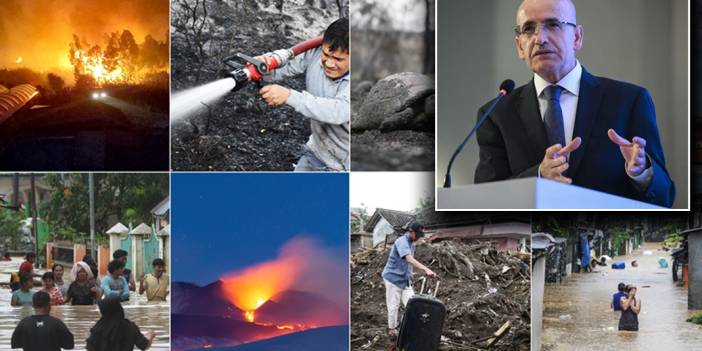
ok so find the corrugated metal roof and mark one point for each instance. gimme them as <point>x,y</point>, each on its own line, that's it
<point>514,230</point>
<point>162,208</point>
<point>14,99</point>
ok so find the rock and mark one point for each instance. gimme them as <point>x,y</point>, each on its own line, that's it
<point>362,88</point>
<point>397,102</point>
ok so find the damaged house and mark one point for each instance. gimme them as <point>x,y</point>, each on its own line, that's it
<point>510,232</point>
<point>384,225</point>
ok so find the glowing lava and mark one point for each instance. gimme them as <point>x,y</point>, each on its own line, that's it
<point>249,316</point>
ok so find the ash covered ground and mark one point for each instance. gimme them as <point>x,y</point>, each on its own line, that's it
<point>402,149</point>
<point>239,132</point>
<point>481,287</point>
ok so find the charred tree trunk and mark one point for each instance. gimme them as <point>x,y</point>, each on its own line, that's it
<point>343,7</point>
<point>429,39</point>
<point>192,21</point>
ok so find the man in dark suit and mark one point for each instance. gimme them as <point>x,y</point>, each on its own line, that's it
<point>568,125</point>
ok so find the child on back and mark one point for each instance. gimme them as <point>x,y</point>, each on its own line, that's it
<point>51,289</point>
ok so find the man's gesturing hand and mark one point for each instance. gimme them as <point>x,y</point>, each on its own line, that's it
<point>555,161</point>
<point>634,152</point>
<point>275,95</point>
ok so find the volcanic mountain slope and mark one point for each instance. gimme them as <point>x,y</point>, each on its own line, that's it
<point>299,307</point>
<point>236,331</point>
<point>190,299</point>
<point>204,316</point>
<point>320,339</point>
<point>288,307</point>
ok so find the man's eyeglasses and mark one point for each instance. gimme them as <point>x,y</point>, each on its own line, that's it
<point>552,25</point>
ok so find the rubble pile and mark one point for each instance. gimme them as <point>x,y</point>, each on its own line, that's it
<point>481,287</point>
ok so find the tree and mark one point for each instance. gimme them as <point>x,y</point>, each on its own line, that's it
<point>56,83</point>
<point>120,197</point>
<point>429,45</point>
<point>359,219</point>
<point>10,228</point>
<point>190,19</point>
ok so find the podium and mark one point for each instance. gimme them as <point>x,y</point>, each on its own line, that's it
<point>531,194</point>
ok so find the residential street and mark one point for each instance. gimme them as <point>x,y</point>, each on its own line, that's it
<point>578,316</point>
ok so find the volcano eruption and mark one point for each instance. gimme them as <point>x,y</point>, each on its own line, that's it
<point>292,293</point>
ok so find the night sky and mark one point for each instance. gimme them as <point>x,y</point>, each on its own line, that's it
<point>227,221</point>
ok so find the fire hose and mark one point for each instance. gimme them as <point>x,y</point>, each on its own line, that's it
<point>249,69</point>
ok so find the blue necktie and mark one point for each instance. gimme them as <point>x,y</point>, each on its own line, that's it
<point>554,116</point>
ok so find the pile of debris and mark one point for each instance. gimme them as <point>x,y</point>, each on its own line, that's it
<point>482,289</point>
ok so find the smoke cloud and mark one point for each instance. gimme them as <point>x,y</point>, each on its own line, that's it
<point>40,31</point>
<point>302,264</point>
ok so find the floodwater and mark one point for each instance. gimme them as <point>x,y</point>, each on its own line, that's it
<point>79,319</point>
<point>577,313</point>
<point>190,101</point>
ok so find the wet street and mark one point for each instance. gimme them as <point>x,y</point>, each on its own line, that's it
<point>80,319</point>
<point>577,313</point>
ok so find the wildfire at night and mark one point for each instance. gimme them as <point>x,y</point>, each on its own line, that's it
<point>122,60</point>
<point>94,42</point>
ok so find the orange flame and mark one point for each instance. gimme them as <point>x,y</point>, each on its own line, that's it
<point>94,66</point>
<point>301,265</point>
<point>252,287</point>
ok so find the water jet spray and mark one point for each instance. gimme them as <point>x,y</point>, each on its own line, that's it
<point>245,69</point>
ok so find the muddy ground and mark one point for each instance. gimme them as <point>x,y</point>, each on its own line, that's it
<point>240,132</point>
<point>478,300</point>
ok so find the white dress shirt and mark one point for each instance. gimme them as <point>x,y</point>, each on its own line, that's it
<point>569,106</point>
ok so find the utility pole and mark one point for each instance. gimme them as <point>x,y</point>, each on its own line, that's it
<point>33,203</point>
<point>91,191</point>
<point>15,191</point>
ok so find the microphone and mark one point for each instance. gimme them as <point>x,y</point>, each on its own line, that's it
<point>505,88</point>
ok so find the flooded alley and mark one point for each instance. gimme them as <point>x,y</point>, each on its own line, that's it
<point>578,316</point>
<point>79,319</point>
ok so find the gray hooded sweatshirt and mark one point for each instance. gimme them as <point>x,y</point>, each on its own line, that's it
<point>326,102</point>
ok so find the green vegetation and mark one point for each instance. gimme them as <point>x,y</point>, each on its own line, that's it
<point>123,197</point>
<point>618,236</point>
<point>696,318</point>
<point>360,219</point>
<point>10,228</point>
<point>672,241</point>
